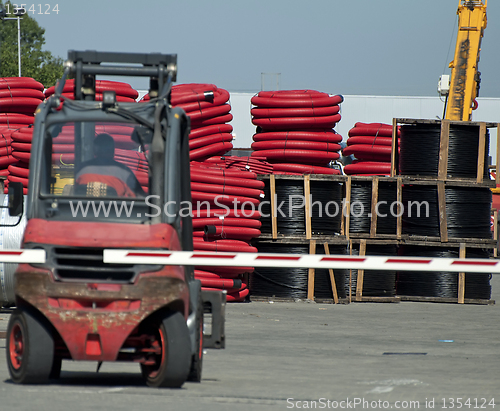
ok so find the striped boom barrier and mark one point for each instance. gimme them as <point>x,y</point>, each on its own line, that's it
<point>223,259</point>
<point>22,256</point>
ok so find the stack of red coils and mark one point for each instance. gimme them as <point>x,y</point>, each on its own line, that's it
<point>63,145</point>
<point>19,98</point>
<point>371,145</point>
<point>226,217</point>
<point>257,165</point>
<point>295,130</point>
<point>124,92</point>
<point>209,110</point>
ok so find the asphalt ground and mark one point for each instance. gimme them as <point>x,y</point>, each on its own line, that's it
<point>305,355</point>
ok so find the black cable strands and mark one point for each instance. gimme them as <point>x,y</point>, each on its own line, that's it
<point>468,211</point>
<point>419,150</point>
<point>442,284</point>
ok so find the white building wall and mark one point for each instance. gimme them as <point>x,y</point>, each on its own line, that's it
<point>368,109</point>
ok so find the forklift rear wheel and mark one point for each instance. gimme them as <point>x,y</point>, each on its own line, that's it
<point>172,363</point>
<point>30,348</point>
<point>197,357</point>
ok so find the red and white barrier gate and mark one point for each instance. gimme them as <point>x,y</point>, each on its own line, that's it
<point>22,256</point>
<point>222,259</point>
<point>114,256</point>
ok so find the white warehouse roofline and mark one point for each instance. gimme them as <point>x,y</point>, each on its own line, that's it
<point>365,109</point>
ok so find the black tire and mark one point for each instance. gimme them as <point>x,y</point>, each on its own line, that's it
<point>197,357</point>
<point>29,348</point>
<point>172,365</point>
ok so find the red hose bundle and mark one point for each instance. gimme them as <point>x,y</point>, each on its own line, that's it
<point>295,110</point>
<point>255,164</point>
<point>221,222</point>
<point>235,246</point>
<point>295,127</point>
<point>322,136</point>
<point>19,98</point>
<point>368,168</point>
<point>367,152</point>
<point>200,223</point>
<point>371,129</point>
<point>200,177</point>
<point>209,110</point>
<point>8,83</point>
<point>209,274</point>
<point>122,90</point>
<point>371,145</point>
<point>215,212</point>
<point>221,170</point>
<point>285,168</point>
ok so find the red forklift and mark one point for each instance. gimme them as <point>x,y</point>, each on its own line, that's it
<point>85,197</point>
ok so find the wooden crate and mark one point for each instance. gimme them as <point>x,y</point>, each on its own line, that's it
<point>443,150</point>
<point>462,249</point>
<point>326,243</point>
<point>376,182</point>
<point>441,186</point>
<point>363,243</point>
<point>306,179</point>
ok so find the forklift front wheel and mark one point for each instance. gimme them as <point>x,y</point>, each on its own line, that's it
<point>173,358</point>
<point>30,349</point>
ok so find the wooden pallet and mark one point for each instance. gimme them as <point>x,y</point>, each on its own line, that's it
<point>307,191</point>
<point>296,239</point>
<point>443,151</point>
<point>443,300</point>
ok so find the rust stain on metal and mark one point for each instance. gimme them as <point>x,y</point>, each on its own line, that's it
<point>77,310</point>
<point>3,334</point>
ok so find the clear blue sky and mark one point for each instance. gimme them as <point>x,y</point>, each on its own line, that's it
<point>364,47</point>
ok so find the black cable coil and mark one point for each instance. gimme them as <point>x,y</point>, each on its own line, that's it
<point>376,283</point>
<point>442,284</point>
<point>291,217</point>
<point>468,211</point>
<point>292,282</point>
<point>326,214</point>
<point>361,202</point>
<point>419,150</point>
<point>294,222</point>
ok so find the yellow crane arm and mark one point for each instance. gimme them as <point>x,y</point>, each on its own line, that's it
<point>465,77</point>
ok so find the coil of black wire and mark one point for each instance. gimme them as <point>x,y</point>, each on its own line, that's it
<point>419,150</point>
<point>292,282</point>
<point>376,283</point>
<point>468,211</point>
<point>280,282</point>
<point>290,209</point>
<point>361,202</point>
<point>326,207</point>
<point>442,284</point>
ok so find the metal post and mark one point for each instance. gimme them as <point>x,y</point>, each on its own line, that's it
<point>19,43</point>
<point>19,12</point>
